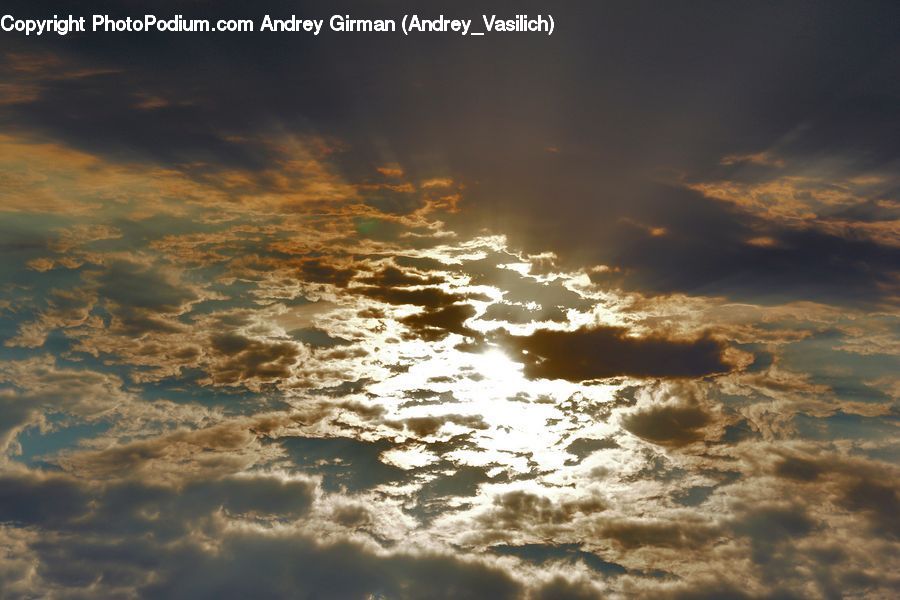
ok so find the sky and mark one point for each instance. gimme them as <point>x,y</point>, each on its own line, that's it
<point>609,313</point>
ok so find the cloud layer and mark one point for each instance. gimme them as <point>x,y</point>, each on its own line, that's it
<point>280,321</point>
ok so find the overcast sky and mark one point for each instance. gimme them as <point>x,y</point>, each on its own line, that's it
<point>609,313</point>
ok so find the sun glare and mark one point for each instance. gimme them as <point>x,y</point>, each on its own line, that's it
<point>504,375</point>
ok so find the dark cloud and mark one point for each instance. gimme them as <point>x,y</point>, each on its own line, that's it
<point>560,588</point>
<point>244,359</point>
<point>41,501</point>
<point>142,299</point>
<point>669,424</point>
<point>137,286</point>
<point>261,496</point>
<point>391,276</point>
<point>704,250</point>
<point>517,509</point>
<point>352,516</point>
<point>773,530</point>
<point>799,469</point>
<point>443,312</point>
<point>317,338</point>
<point>715,258</point>
<point>878,501</point>
<point>709,247</point>
<point>319,271</point>
<point>261,564</point>
<point>268,566</point>
<point>631,534</point>
<point>178,133</point>
<point>866,488</point>
<point>601,352</point>
<point>814,84</point>
<point>171,200</point>
<point>436,324</point>
<point>713,590</point>
<point>63,503</point>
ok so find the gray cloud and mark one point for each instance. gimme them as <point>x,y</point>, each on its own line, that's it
<point>603,351</point>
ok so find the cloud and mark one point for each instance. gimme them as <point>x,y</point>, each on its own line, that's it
<point>47,501</point>
<point>521,314</point>
<point>674,415</point>
<point>320,271</point>
<point>244,360</point>
<point>65,308</point>
<point>268,565</point>
<point>245,292</point>
<point>223,448</point>
<point>636,533</point>
<point>878,501</point>
<point>868,489</point>
<point>768,526</point>
<point>519,511</point>
<point>434,325</point>
<point>428,297</point>
<point>391,276</point>
<point>759,158</point>
<point>603,351</point>
<point>235,561</point>
<point>584,447</point>
<point>143,299</point>
<point>35,389</point>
